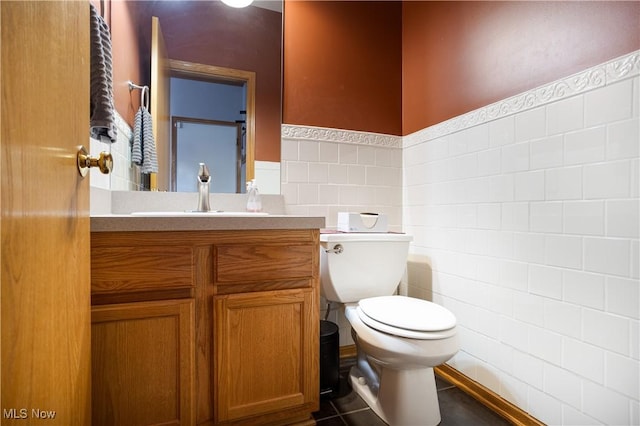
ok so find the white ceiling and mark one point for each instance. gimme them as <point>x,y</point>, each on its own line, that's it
<point>275,5</point>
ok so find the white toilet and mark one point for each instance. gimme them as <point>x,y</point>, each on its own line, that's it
<point>399,339</point>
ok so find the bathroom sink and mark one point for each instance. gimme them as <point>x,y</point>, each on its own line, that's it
<point>191,213</point>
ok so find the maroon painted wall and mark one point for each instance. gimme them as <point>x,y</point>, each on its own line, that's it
<point>342,65</point>
<point>460,56</point>
<point>126,59</point>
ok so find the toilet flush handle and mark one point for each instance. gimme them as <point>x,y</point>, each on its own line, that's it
<point>337,249</point>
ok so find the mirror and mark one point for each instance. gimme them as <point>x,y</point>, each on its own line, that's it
<point>206,34</point>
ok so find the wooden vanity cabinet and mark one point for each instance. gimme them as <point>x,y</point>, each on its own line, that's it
<point>207,327</point>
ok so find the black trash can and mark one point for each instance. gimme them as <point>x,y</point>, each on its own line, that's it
<point>329,359</point>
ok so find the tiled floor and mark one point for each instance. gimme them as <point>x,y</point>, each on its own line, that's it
<point>456,407</point>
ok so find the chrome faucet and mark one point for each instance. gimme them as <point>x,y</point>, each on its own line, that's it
<point>203,188</point>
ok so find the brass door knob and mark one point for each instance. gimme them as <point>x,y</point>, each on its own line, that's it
<point>104,162</point>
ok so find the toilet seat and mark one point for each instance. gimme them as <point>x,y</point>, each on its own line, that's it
<point>407,317</point>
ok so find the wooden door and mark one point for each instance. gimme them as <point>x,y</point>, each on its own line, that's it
<point>265,354</point>
<point>160,106</point>
<point>44,208</point>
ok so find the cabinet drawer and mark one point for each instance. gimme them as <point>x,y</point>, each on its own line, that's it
<point>264,262</point>
<point>131,269</point>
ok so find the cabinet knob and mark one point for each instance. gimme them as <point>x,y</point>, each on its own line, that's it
<point>104,162</point>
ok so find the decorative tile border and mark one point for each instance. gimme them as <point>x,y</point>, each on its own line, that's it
<point>619,69</point>
<point>340,136</point>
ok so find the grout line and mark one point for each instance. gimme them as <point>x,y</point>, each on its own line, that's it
<point>357,411</point>
<point>334,407</point>
<point>446,388</point>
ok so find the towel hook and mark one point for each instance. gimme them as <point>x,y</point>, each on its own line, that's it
<point>132,86</point>
<point>144,97</point>
<point>144,94</point>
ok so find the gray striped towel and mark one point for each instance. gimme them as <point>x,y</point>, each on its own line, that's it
<point>143,149</point>
<point>102,111</point>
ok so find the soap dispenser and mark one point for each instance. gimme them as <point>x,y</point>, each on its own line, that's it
<point>254,204</point>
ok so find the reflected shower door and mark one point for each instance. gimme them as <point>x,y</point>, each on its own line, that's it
<point>216,143</point>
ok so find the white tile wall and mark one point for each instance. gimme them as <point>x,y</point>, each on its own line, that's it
<point>122,176</point>
<point>530,223</point>
<point>324,172</point>
<point>267,175</point>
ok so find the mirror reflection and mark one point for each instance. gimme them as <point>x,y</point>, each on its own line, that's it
<point>215,78</point>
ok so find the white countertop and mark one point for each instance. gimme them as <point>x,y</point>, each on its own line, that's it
<point>130,223</point>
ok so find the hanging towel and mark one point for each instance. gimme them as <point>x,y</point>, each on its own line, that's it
<point>102,111</point>
<point>143,149</point>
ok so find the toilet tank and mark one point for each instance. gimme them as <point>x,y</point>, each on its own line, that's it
<point>368,265</point>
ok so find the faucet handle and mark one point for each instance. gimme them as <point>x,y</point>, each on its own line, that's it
<point>203,173</point>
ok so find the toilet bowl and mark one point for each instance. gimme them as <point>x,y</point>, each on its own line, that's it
<point>399,339</point>
<point>404,390</point>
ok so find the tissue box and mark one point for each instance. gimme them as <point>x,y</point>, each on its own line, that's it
<point>362,222</point>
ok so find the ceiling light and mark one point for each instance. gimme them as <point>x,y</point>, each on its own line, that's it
<point>237,3</point>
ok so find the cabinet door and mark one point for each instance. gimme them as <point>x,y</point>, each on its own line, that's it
<point>142,363</point>
<point>266,354</point>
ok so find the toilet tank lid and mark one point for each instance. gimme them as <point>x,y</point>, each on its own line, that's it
<point>408,313</point>
<point>363,236</point>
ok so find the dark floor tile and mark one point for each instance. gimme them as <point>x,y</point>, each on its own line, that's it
<point>459,409</point>
<point>349,402</point>
<point>326,410</point>
<point>363,418</point>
